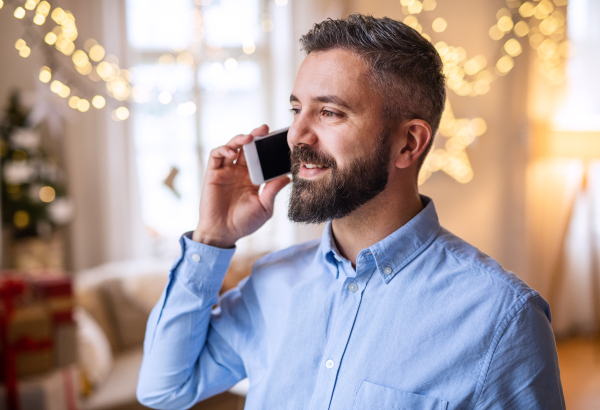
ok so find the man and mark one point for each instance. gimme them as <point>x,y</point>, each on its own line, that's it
<point>387,310</point>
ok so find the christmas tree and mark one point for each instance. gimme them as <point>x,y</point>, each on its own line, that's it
<point>34,200</point>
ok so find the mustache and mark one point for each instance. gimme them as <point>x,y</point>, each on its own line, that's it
<point>303,153</point>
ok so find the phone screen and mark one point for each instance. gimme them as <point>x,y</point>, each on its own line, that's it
<point>274,155</point>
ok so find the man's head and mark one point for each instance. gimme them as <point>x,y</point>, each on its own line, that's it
<point>364,84</point>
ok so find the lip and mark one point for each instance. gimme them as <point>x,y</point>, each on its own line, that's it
<point>311,173</point>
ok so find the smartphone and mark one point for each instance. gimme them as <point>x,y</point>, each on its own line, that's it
<point>268,157</point>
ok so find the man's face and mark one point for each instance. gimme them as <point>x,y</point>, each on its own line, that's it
<point>340,147</point>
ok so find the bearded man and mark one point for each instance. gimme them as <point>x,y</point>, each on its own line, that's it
<point>387,310</point>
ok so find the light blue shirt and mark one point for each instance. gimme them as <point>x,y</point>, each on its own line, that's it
<point>426,321</point>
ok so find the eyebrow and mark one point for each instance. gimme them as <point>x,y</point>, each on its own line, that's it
<point>325,99</point>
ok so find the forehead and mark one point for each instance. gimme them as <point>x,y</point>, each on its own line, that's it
<point>334,72</point>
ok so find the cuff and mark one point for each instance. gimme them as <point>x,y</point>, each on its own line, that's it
<point>201,268</point>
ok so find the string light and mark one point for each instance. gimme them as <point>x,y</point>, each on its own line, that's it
<point>30,4</point>
<point>62,37</point>
<point>98,102</point>
<point>452,159</point>
<point>21,219</point>
<point>45,74</point>
<point>439,25</point>
<point>73,101</point>
<point>121,113</point>
<point>83,105</point>
<point>47,194</point>
<point>19,12</point>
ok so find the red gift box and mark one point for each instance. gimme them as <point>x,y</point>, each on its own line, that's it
<point>37,331</point>
<point>56,291</point>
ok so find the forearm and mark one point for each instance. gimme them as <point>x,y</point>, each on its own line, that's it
<point>174,369</point>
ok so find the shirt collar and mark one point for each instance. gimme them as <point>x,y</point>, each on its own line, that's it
<point>398,249</point>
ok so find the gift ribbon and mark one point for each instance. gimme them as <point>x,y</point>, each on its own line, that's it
<point>9,289</point>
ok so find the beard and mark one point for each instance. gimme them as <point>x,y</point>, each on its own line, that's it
<point>336,195</point>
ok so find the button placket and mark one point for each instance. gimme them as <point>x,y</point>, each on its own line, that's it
<point>346,311</point>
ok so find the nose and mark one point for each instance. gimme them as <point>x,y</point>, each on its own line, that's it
<point>302,131</point>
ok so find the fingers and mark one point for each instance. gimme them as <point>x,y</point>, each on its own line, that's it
<point>260,131</point>
<point>221,156</point>
<point>225,155</point>
<point>267,196</point>
<point>241,159</point>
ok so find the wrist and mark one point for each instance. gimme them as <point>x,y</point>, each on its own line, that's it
<point>212,240</point>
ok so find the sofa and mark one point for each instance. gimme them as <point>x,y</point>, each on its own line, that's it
<point>113,304</point>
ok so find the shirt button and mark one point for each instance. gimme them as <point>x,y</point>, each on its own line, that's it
<point>352,287</point>
<point>196,257</point>
<point>329,364</point>
<point>387,270</point>
<point>337,258</point>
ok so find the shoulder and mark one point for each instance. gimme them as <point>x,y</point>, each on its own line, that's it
<point>480,265</point>
<point>478,277</point>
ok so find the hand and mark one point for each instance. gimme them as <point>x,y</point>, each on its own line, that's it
<point>230,207</point>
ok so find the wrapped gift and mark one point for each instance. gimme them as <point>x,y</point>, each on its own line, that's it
<point>30,335</point>
<point>56,291</point>
<point>55,390</point>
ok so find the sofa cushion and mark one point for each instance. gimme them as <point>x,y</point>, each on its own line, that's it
<point>94,351</point>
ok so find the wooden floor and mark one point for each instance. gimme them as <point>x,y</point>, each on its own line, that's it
<point>579,361</point>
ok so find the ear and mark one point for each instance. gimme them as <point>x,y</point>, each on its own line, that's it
<point>415,135</point>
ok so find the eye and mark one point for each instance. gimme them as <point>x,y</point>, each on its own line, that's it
<point>295,111</point>
<point>330,114</point>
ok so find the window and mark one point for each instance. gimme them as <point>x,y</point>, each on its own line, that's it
<point>201,74</point>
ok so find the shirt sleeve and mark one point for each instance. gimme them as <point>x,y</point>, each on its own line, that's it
<point>185,360</point>
<point>523,372</point>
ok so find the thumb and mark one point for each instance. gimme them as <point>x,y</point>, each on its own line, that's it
<point>267,196</point>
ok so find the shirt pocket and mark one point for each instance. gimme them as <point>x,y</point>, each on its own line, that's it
<point>374,397</point>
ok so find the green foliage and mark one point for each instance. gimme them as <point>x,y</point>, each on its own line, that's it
<point>32,181</point>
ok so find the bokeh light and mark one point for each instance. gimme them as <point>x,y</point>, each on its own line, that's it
<point>47,194</point>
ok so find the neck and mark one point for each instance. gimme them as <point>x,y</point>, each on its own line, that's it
<point>375,220</point>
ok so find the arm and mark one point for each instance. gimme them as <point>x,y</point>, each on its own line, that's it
<point>523,372</point>
<point>185,360</point>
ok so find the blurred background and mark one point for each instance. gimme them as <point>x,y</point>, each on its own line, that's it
<point>109,111</point>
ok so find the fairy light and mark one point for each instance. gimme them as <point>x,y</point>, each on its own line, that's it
<point>47,194</point>
<point>21,219</point>
<point>31,4</point>
<point>83,105</point>
<point>73,101</point>
<point>121,113</point>
<point>64,91</point>
<point>439,25</point>
<point>98,102</point>
<point>452,159</point>
<point>45,74</point>
<point>50,38</point>
<point>97,53</point>
<point>19,12</point>
<point>62,37</point>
